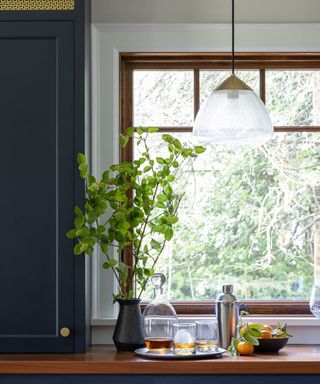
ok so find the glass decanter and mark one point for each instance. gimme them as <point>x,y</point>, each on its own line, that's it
<point>315,300</point>
<point>158,319</point>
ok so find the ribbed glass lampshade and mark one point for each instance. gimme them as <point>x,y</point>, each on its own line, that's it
<point>233,114</point>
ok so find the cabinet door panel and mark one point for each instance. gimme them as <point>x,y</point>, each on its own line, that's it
<point>36,194</point>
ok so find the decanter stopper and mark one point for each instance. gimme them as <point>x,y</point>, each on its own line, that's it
<point>158,280</point>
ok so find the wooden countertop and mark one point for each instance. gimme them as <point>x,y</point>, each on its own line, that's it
<point>105,360</point>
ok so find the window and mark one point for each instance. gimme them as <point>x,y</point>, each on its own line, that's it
<point>257,217</point>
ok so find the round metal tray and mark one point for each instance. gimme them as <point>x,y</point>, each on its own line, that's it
<point>144,352</point>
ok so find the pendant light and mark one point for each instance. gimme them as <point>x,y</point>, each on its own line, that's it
<point>233,113</point>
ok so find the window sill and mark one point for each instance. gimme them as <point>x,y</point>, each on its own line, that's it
<point>305,330</point>
<point>296,321</point>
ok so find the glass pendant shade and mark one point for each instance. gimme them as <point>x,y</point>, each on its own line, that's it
<point>233,114</point>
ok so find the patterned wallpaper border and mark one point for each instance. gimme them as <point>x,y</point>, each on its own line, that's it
<point>37,5</point>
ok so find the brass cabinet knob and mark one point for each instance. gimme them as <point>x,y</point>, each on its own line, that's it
<point>65,332</point>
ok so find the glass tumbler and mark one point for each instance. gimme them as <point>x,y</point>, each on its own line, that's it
<point>184,339</point>
<point>158,333</point>
<point>206,335</point>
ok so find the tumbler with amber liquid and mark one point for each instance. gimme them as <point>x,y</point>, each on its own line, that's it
<point>206,336</point>
<point>184,339</point>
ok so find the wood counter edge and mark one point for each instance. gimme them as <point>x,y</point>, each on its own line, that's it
<point>302,360</point>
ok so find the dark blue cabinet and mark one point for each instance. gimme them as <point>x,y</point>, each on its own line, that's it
<point>42,121</point>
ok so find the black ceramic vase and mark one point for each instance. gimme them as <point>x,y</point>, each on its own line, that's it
<point>127,335</point>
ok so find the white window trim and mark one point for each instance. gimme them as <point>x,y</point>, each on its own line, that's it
<point>110,39</point>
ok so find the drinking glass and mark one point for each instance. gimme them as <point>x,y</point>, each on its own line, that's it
<point>158,333</point>
<point>184,338</point>
<point>206,336</point>
<point>315,300</point>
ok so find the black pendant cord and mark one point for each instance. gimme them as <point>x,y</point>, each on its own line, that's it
<point>233,37</point>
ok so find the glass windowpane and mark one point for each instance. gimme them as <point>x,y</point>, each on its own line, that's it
<point>249,216</point>
<point>293,97</point>
<point>163,98</point>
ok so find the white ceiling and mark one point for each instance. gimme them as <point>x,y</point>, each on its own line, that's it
<point>205,11</point>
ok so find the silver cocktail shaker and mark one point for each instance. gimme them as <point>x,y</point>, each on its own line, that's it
<point>227,313</point>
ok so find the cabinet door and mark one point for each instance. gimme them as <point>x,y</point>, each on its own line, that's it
<point>36,193</point>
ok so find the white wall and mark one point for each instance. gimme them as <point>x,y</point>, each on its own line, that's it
<point>205,11</point>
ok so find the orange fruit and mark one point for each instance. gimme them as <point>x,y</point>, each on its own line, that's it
<point>266,334</point>
<point>267,328</point>
<point>245,348</point>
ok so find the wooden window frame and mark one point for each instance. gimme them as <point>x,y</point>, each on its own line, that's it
<point>130,61</point>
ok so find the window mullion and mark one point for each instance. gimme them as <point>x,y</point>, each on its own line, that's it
<point>126,154</point>
<point>262,76</point>
<point>196,91</point>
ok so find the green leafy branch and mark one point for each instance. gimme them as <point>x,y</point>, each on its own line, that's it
<point>281,330</point>
<point>133,207</point>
